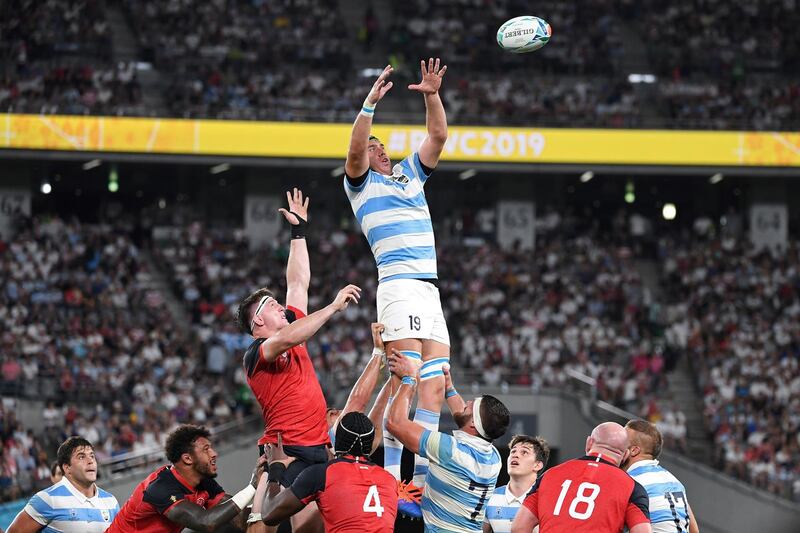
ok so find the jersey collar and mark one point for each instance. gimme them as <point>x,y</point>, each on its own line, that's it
<point>181,479</point>
<point>78,494</point>
<point>597,456</point>
<point>471,440</point>
<point>643,462</point>
<point>510,498</point>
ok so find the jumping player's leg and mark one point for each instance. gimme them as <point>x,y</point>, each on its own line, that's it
<point>392,448</point>
<point>430,397</point>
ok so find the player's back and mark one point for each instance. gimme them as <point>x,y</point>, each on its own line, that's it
<point>669,507</point>
<point>358,497</point>
<point>588,494</point>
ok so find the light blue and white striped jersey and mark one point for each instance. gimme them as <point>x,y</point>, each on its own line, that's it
<point>461,478</point>
<point>668,504</point>
<point>503,507</point>
<point>61,508</point>
<point>394,216</point>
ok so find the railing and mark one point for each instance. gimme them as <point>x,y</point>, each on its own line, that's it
<point>223,434</point>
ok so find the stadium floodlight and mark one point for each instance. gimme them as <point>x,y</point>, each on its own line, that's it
<point>113,179</point>
<point>630,194</point>
<point>641,78</point>
<point>162,203</point>
<point>716,178</point>
<point>218,169</point>
<point>467,174</point>
<point>46,187</point>
<point>669,211</point>
<point>94,163</point>
<point>587,176</point>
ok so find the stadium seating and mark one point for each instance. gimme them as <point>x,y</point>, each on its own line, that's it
<point>738,312</point>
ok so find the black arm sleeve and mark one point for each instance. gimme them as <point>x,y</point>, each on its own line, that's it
<point>640,499</point>
<point>427,170</point>
<point>310,483</point>
<point>164,492</point>
<point>251,356</point>
<point>359,180</point>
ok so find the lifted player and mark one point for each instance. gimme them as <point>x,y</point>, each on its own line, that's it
<point>390,205</point>
<point>278,367</point>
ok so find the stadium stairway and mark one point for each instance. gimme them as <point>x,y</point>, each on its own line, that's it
<point>160,283</point>
<point>634,60</point>
<point>681,383</point>
<point>126,49</point>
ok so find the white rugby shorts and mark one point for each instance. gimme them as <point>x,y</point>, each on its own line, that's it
<point>411,309</point>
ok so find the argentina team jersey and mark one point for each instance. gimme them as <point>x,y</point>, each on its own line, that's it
<point>63,509</point>
<point>461,478</point>
<point>394,216</point>
<point>668,504</point>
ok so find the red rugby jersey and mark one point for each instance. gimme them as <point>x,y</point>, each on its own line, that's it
<point>589,494</point>
<point>153,497</point>
<point>289,393</point>
<point>353,496</point>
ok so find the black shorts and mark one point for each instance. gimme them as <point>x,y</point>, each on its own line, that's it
<point>305,456</point>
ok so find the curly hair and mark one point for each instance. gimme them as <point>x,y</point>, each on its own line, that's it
<point>182,441</point>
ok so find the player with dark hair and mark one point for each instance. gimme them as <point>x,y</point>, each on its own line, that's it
<point>588,494</point>
<point>74,503</point>
<point>390,206</point>
<point>277,365</point>
<point>55,473</point>
<point>463,466</point>
<point>527,457</point>
<point>353,494</point>
<point>184,494</point>
<point>670,511</point>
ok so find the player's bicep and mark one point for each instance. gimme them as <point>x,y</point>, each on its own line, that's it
<point>357,165</point>
<point>297,296</point>
<point>429,153</point>
<point>186,513</point>
<point>281,507</point>
<point>25,523</point>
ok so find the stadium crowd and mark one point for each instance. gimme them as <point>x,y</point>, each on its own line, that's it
<point>295,61</point>
<point>82,326</point>
<point>57,58</point>
<point>737,310</point>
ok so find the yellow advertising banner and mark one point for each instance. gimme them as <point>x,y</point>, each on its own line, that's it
<point>465,143</point>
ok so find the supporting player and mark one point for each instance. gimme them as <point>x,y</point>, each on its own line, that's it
<point>278,367</point>
<point>568,496</point>
<point>670,511</point>
<point>528,456</point>
<point>463,466</point>
<point>184,493</point>
<point>74,503</point>
<point>353,494</point>
<point>390,205</point>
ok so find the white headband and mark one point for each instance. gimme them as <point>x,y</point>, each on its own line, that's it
<point>261,303</point>
<point>476,417</point>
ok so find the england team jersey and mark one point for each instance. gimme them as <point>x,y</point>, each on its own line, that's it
<point>461,477</point>
<point>669,508</point>
<point>394,217</point>
<point>63,509</point>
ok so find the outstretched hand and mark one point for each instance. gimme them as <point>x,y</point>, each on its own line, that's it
<point>275,454</point>
<point>351,293</point>
<point>297,207</point>
<point>380,87</point>
<point>431,77</point>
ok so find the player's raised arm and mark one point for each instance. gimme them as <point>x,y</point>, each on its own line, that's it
<point>454,400</point>
<point>435,118</point>
<point>365,385</point>
<point>298,268</point>
<point>191,515</point>
<point>279,505</point>
<point>357,157</point>
<point>398,423</point>
<point>304,328</point>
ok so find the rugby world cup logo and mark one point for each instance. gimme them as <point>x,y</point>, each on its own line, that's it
<point>106,515</point>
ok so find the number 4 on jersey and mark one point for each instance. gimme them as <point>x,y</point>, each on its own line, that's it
<point>372,503</point>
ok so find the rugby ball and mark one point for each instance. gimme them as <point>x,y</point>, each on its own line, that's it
<point>523,34</point>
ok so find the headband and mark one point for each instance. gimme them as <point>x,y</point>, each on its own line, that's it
<point>261,303</point>
<point>476,417</point>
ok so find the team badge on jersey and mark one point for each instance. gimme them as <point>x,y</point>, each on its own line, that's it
<point>105,514</point>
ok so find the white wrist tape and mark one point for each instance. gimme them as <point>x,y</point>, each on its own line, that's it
<point>243,498</point>
<point>367,109</point>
